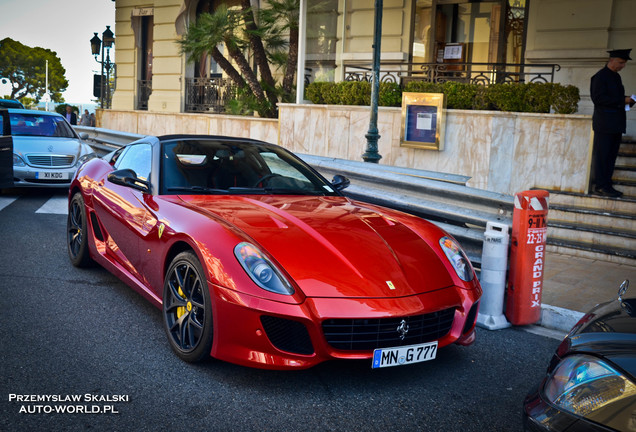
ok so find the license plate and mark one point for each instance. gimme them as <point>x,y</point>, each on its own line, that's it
<point>399,356</point>
<point>45,175</point>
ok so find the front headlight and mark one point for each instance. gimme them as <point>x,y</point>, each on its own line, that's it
<point>457,258</point>
<point>582,384</point>
<point>86,158</point>
<point>262,271</point>
<point>18,161</point>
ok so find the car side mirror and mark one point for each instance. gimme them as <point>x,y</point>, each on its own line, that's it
<point>128,177</point>
<point>340,182</point>
<point>83,135</point>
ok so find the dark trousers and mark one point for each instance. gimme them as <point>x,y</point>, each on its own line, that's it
<point>606,147</point>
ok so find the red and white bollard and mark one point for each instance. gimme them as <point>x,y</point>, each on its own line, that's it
<point>527,257</point>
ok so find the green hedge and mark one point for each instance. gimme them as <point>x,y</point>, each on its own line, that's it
<point>531,97</point>
<point>352,93</point>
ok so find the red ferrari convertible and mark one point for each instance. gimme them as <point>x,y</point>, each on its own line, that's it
<point>256,259</point>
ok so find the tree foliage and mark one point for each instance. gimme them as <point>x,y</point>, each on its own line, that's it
<point>281,17</point>
<point>239,30</point>
<point>25,68</point>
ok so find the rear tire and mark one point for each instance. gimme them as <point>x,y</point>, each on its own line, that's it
<point>77,233</point>
<point>187,308</point>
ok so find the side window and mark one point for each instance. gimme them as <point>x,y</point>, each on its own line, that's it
<point>137,158</point>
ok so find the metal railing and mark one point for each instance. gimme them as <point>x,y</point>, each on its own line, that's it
<point>475,73</point>
<point>207,94</point>
<point>212,94</point>
<point>441,198</point>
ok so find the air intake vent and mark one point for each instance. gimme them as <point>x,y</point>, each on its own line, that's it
<point>287,335</point>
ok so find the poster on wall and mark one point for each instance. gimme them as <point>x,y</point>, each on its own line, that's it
<point>453,52</point>
<point>423,120</point>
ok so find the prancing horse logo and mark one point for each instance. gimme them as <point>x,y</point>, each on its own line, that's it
<point>403,329</point>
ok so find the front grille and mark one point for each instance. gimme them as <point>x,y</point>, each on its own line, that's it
<point>287,335</point>
<point>369,334</point>
<point>47,160</point>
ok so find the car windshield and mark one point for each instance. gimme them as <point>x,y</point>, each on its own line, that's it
<point>40,125</point>
<point>234,167</point>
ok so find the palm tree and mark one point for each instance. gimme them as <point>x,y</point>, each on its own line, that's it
<point>281,17</point>
<point>237,30</point>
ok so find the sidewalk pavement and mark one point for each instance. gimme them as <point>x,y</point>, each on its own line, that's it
<point>573,285</point>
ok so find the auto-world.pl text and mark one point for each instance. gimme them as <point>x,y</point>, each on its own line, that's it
<point>87,403</point>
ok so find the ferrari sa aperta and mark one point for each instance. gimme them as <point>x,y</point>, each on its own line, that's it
<point>254,258</point>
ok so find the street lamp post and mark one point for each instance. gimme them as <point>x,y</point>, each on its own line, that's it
<point>371,154</point>
<point>108,39</point>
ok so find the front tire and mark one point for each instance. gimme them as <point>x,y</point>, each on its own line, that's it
<point>187,308</point>
<point>77,233</point>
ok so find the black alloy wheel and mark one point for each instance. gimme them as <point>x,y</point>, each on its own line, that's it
<point>76,229</point>
<point>187,310</point>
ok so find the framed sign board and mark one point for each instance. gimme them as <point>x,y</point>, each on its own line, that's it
<point>423,120</point>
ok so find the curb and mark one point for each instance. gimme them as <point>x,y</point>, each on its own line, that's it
<point>553,318</point>
<point>557,318</point>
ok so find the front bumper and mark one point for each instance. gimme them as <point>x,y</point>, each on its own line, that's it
<point>242,336</point>
<point>43,177</point>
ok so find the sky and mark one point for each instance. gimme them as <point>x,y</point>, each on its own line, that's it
<point>63,26</point>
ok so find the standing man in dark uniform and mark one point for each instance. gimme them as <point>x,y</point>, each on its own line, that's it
<point>609,119</point>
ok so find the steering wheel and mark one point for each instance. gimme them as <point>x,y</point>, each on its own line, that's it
<point>265,177</point>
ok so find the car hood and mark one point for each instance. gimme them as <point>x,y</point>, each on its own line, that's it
<point>610,331</point>
<point>63,146</point>
<point>333,247</point>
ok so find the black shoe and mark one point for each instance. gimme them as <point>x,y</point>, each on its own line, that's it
<point>608,192</point>
<point>620,194</point>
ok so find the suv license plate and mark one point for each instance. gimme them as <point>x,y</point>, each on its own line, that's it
<point>399,356</point>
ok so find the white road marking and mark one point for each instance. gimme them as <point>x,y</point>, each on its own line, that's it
<point>5,201</point>
<point>55,205</point>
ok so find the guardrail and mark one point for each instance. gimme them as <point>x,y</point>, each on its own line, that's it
<point>106,140</point>
<point>441,198</point>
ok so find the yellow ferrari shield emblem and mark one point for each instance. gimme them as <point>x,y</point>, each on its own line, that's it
<point>161,228</point>
<point>390,284</point>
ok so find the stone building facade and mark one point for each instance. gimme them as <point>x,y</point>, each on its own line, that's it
<point>153,75</point>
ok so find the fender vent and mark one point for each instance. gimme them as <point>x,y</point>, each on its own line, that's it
<point>96,230</point>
